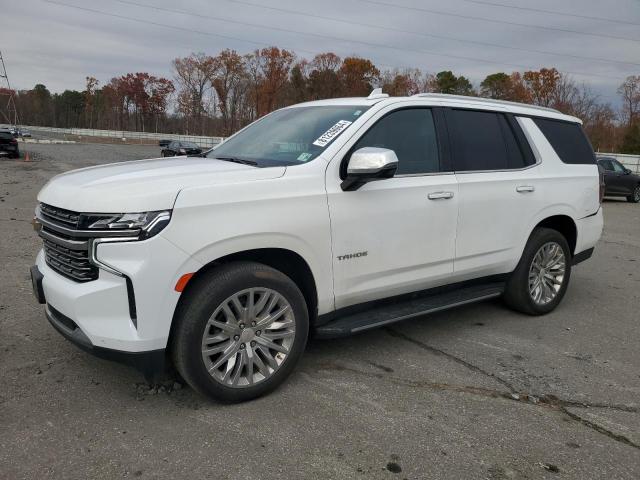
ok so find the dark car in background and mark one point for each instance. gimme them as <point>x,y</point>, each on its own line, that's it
<point>8,144</point>
<point>179,147</point>
<point>619,181</point>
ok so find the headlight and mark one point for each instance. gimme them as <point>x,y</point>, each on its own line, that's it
<point>143,225</point>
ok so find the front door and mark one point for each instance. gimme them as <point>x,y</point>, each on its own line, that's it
<point>627,183</point>
<point>396,235</point>
<point>613,177</point>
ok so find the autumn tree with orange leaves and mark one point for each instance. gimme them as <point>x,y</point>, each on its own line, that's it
<point>138,98</point>
<point>405,82</point>
<point>274,65</point>
<point>357,76</point>
<point>542,85</point>
<point>229,80</point>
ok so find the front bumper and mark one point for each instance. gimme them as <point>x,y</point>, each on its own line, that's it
<point>151,363</point>
<point>101,309</point>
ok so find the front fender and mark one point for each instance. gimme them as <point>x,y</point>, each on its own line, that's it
<point>285,213</point>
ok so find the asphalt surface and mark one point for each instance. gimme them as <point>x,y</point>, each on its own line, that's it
<point>476,392</point>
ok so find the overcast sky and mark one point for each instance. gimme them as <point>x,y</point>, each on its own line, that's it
<point>52,43</point>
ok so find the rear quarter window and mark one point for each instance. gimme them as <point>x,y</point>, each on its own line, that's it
<point>568,140</point>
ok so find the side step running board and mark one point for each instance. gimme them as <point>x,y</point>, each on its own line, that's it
<point>405,309</point>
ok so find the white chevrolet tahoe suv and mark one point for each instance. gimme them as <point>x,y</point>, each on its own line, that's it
<point>326,218</point>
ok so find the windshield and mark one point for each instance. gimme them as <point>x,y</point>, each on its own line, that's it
<point>290,136</point>
<point>188,145</point>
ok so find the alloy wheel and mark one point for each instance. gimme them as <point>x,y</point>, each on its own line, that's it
<point>547,273</point>
<point>248,337</point>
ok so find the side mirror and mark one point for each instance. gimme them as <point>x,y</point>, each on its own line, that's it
<point>627,171</point>
<point>368,164</point>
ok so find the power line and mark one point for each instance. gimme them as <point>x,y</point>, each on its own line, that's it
<point>413,32</point>
<point>157,24</point>
<point>552,12</point>
<point>317,35</point>
<point>493,20</point>
<point>187,30</point>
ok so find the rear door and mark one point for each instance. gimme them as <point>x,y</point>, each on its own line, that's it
<point>497,184</point>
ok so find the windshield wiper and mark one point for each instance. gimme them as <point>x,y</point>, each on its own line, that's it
<point>238,160</point>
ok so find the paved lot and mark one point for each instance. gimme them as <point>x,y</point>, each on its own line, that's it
<point>477,392</point>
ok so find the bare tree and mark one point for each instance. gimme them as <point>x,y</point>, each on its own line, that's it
<point>193,76</point>
<point>629,90</point>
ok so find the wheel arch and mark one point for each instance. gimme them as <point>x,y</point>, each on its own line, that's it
<point>563,224</point>
<point>284,260</point>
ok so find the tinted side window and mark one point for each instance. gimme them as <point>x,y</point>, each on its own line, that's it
<point>477,141</point>
<point>606,164</point>
<point>516,156</point>
<point>568,140</point>
<point>617,166</point>
<point>411,133</point>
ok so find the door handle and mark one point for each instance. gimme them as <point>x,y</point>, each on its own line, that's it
<point>440,195</point>
<point>525,188</point>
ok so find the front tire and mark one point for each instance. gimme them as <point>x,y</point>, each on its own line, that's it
<point>240,331</point>
<point>540,280</point>
<point>635,196</point>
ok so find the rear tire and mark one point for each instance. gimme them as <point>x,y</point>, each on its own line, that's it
<point>635,196</point>
<point>541,278</point>
<point>232,342</point>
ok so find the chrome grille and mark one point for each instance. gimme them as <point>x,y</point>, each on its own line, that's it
<point>65,253</point>
<point>60,216</point>
<point>73,264</point>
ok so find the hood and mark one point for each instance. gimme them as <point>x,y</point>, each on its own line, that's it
<point>143,185</point>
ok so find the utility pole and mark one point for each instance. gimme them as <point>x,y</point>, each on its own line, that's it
<point>10,112</point>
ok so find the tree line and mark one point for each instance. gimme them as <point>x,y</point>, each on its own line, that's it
<point>217,95</point>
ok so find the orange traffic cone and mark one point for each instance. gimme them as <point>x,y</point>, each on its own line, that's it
<point>26,157</point>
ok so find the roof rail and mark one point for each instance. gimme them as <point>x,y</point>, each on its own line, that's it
<point>445,96</point>
<point>377,93</point>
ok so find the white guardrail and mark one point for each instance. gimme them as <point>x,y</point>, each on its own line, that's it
<point>632,162</point>
<point>201,141</point>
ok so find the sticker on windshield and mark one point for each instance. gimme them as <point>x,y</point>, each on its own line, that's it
<point>303,157</point>
<point>324,139</point>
